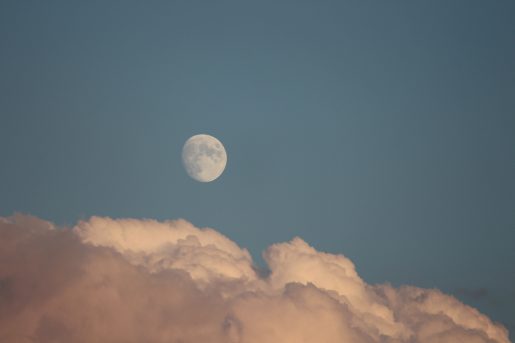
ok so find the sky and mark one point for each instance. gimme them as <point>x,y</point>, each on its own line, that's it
<point>384,131</point>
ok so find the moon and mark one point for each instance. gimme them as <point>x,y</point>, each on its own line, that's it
<point>204,158</point>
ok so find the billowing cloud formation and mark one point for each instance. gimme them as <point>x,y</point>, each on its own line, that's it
<point>130,280</point>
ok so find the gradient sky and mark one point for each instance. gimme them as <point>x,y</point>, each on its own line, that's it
<point>381,130</point>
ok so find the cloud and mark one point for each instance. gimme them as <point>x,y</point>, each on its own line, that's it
<point>129,280</point>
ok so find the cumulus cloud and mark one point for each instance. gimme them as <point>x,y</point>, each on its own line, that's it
<point>129,280</point>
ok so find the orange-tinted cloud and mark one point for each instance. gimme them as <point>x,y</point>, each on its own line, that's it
<point>130,280</point>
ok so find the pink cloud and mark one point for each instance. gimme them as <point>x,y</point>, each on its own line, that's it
<point>129,280</point>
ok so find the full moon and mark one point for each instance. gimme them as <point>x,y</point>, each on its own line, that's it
<point>204,158</point>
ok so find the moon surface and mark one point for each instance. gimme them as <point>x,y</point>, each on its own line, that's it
<point>204,157</point>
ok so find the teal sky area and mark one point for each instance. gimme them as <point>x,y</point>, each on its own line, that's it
<point>384,131</point>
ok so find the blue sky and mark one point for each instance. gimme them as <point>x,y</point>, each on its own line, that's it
<point>383,131</point>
